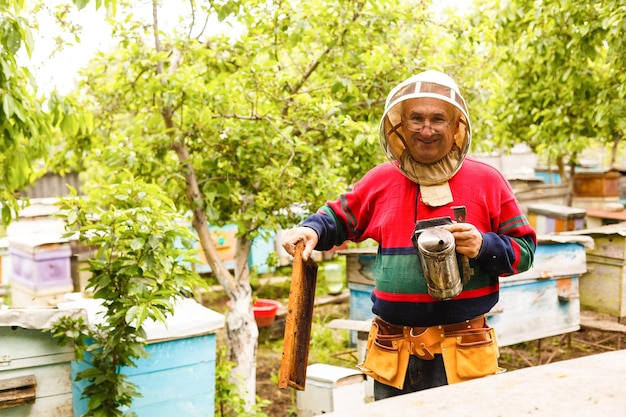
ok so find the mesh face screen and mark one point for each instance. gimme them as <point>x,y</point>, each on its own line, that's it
<point>391,133</point>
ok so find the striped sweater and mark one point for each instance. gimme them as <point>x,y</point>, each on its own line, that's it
<point>385,205</point>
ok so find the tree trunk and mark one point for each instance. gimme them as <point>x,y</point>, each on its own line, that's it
<point>614,150</point>
<point>241,328</point>
<point>561,168</point>
<point>570,189</point>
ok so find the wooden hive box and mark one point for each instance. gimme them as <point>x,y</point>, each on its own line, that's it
<point>5,261</point>
<point>40,264</point>
<point>594,190</point>
<point>34,371</point>
<point>549,218</point>
<point>543,301</point>
<point>360,263</point>
<point>330,388</point>
<point>603,287</point>
<point>178,378</point>
<point>596,184</point>
<point>40,270</point>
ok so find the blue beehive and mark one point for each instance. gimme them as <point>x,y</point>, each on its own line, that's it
<point>178,378</point>
<point>259,251</point>
<point>538,303</point>
<point>543,301</point>
<point>224,239</point>
<point>360,263</point>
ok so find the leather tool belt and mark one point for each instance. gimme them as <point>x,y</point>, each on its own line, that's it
<point>468,348</point>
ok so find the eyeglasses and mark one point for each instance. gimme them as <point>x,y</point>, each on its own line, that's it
<point>417,124</point>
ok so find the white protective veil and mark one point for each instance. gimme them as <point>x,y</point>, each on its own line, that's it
<point>432,178</point>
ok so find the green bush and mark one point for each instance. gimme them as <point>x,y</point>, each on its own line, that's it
<point>142,265</point>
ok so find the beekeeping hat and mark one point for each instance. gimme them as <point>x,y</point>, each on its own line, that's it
<point>432,178</point>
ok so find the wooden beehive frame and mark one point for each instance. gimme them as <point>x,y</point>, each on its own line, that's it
<point>298,322</point>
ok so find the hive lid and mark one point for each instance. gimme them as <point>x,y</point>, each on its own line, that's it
<point>556,209</point>
<point>556,256</point>
<point>610,229</point>
<point>189,319</point>
<point>36,318</point>
<point>332,375</point>
<point>39,242</point>
<point>566,237</point>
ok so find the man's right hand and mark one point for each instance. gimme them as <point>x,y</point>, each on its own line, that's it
<point>300,234</point>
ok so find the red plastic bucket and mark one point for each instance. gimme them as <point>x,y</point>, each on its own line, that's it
<point>265,311</point>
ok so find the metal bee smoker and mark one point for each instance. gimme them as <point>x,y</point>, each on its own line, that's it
<point>436,251</point>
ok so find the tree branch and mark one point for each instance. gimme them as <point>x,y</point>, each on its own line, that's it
<point>155,30</point>
<point>316,63</point>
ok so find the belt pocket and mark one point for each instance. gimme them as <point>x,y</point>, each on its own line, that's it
<point>386,358</point>
<point>469,354</point>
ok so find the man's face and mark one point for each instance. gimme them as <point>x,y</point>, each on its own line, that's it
<point>428,125</point>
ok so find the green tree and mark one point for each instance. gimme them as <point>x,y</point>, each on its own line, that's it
<point>24,125</point>
<point>139,271</point>
<point>28,122</point>
<point>557,74</point>
<point>254,127</point>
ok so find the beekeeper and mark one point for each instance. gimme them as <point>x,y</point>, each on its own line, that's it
<point>418,341</point>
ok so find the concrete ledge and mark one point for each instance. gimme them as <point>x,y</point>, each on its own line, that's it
<point>583,387</point>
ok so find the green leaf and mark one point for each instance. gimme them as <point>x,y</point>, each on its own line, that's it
<point>137,244</point>
<point>72,218</point>
<point>82,3</point>
<point>6,214</point>
<point>131,314</point>
<point>8,105</point>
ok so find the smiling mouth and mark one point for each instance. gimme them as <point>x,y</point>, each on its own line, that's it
<point>427,141</point>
